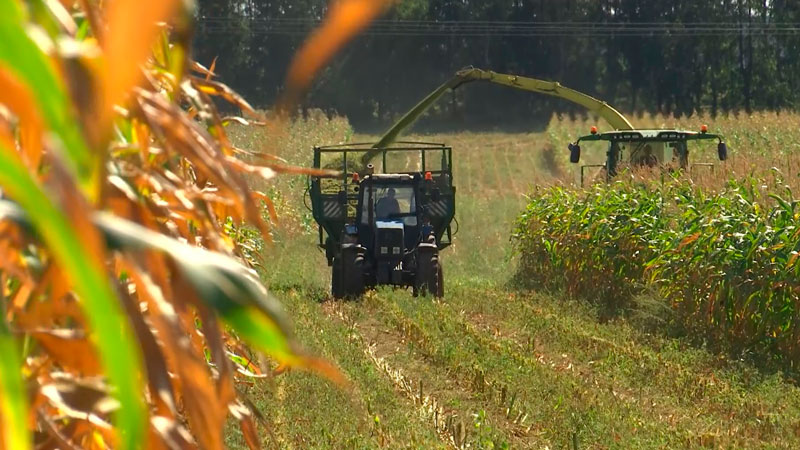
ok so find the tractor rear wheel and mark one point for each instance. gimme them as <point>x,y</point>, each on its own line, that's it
<point>429,280</point>
<point>336,279</point>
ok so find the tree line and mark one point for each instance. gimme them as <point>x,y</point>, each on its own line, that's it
<point>678,58</point>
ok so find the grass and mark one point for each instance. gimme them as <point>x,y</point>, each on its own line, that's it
<point>499,366</point>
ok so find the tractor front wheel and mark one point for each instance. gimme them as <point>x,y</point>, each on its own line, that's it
<point>429,279</point>
<point>352,278</point>
<point>440,281</point>
<point>336,279</point>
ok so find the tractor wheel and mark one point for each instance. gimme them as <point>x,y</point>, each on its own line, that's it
<point>428,277</point>
<point>336,279</point>
<point>439,281</point>
<point>352,275</point>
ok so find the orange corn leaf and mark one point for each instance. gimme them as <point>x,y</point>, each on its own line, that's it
<point>211,69</point>
<point>273,213</point>
<point>167,433</point>
<point>198,393</point>
<point>269,171</point>
<point>792,260</point>
<point>197,67</point>
<point>688,241</point>
<point>19,99</point>
<point>93,16</point>
<point>247,425</point>
<point>215,88</point>
<point>133,28</point>
<point>344,20</point>
<point>71,349</point>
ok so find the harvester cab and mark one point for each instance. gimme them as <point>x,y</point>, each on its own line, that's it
<point>666,149</point>
<point>385,225</point>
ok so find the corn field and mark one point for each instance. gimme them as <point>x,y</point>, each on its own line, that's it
<point>725,261</point>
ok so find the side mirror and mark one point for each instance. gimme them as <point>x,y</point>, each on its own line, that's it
<point>574,153</point>
<point>342,197</point>
<point>722,149</point>
<point>436,195</point>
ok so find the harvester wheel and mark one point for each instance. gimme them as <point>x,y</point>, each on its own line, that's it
<point>429,275</point>
<point>352,275</point>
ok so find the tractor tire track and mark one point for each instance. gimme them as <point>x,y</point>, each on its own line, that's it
<point>498,397</point>
<point>449,426</point>
<point>429,394</point>
<point>549,371</point>
<point>314,319</point>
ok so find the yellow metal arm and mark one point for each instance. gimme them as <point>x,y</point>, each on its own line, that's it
<point>552,88</point>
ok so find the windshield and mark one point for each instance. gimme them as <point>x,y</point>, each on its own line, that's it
<point>391,202</point>
<point>650,152</point>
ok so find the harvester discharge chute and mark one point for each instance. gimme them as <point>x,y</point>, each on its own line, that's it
<point>469,75</point>
<point>626,144</point>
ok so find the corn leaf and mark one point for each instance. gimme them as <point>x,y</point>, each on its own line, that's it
<point>13,405</point>
<point>223,283</point>
<point>344,20</point>
<point>111,332</point>
<point>27,61</point>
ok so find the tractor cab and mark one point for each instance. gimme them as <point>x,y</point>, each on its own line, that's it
<point>666,149</point>
<point>389,223</point>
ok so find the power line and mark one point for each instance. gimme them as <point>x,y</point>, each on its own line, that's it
<point>410,28</point>
<point>498,22</point>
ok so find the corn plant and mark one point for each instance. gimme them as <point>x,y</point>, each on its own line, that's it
<point>590,243</point>
<point>126,301</point>
<point>725,261</point>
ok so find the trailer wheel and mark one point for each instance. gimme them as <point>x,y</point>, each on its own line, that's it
<point>336,279</point>
<point>428,279</point>
<point>352,277</point>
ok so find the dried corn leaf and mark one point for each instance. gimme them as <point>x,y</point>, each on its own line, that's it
<point>198,395</point>
<point>70,349</point>
<point>218,89</point>
<point>171,434</point>
<point>18,98</point>
<point>344,20</point>
<point>247,425</point>
<point>136,28</point>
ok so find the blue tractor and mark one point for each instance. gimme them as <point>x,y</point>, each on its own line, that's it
<point>384,225</point>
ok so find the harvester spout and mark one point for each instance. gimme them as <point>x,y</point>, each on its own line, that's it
<point>471,74</point>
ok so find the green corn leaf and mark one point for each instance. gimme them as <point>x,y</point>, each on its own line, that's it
<point>221,282</point>
<point>111,335</point>
<point>13,404</point>
<point>27,61</point>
